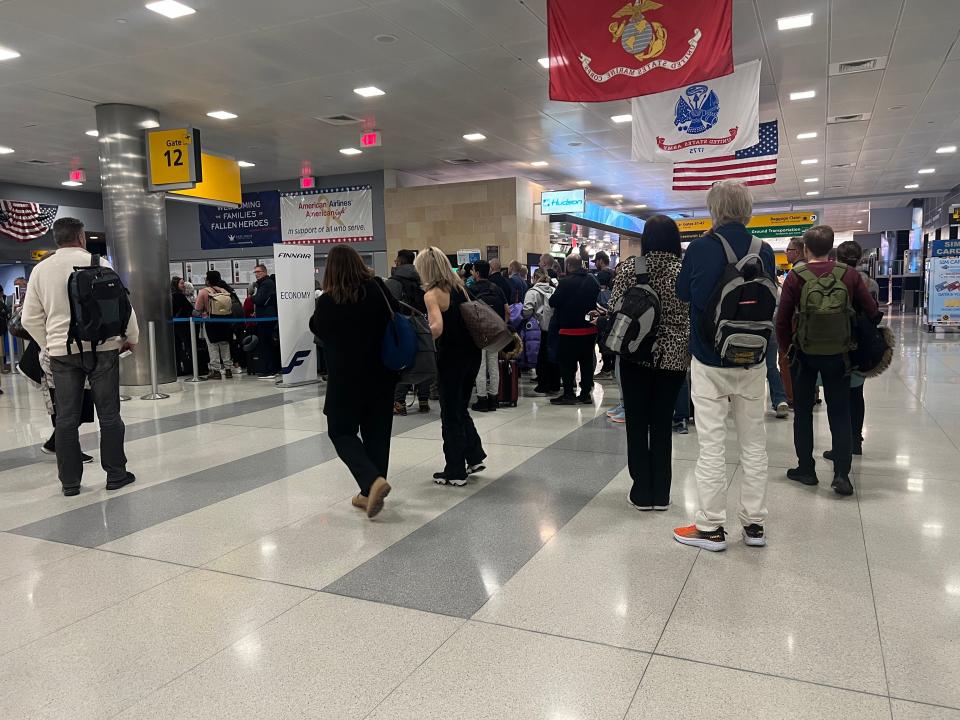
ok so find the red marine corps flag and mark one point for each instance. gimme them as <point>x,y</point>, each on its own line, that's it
<point>604,50</point>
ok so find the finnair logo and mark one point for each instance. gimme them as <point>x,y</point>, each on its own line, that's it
<point>297,360</point>
<point>296,256</point>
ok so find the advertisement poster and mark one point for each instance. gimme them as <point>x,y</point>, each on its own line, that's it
<point>295,306</point>
<point>327,215</point>
<point>176,269</point>
<point>943,291</point>
<point>255,223</point>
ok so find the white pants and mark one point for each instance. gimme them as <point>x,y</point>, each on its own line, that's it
<point>715,391</point>
<point>220,359</point>
<point>489,365</point>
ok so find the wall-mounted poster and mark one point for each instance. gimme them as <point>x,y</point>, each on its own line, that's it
<point>176,269</point>
<point>327,215</point>
<point>196,272</point>
<point>255,223</point>
<point>243,272</point>
<point>224,267</point>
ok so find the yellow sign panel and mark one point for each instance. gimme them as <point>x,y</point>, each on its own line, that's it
<point>220,185</point>
<point>771,225</point>
<point>39,255</point>
<point>171,159</point>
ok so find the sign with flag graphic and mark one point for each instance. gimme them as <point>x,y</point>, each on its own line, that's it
<point>756,165</point>
<point>605,50</point>
<point>702,120</point>
<point>25,221</point>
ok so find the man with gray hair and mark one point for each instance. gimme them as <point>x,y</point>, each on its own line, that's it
<point>575,299</point>
<point>717,387</point>
<point>497,278</point>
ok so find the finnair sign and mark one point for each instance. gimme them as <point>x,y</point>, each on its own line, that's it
<point>295,305</point>
<point>562,202</point>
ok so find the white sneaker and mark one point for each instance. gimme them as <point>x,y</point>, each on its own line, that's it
<point>783,411</point>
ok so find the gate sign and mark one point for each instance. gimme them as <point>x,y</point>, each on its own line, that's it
<point>173,159</point>
<point>774,225</point>
<point>327,215</point>
<point>256,223</point>
<point>561,202</point>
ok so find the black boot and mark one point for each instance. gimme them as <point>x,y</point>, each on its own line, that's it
<point>481,405</point>
<point>493,402</point>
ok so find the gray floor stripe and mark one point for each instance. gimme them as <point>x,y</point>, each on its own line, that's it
<point>137,430</point>
<point>116,517</point>
<point>455,562</point>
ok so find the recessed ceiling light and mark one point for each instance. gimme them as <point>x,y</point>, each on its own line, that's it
<point>369,91</point>
<point>926,171</point>
<point>244,163</point>
<point>474,137</point>
<point>641,206</point>
<point>544,63</point>
<point>622,118</point>
<point>793,22</point>
<point>539,163</point>
<point>8,54</point>
<point>148,124</point>
<point>584,183</point>
<point>803,95</point>
<point>813,192</point>
<point>806,136</point>
<point>618,196</point>
<point>221,115</point>
<point>911,186</point>
<point>4,150</point>
<point>810,180</point>
<point>93,133</point>
<point>809,161</point>
<point>170,8</point>
<point>859,222</point>
<point>946,149</point>
<point>71,183</point>
<point>897,107</point>
<point>350,151</point>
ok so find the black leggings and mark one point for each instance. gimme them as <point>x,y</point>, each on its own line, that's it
<point>461,443</point>
<point>649,396</point>
<point>857,412</point>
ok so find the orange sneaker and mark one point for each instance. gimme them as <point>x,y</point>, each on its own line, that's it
<point>714,541</point>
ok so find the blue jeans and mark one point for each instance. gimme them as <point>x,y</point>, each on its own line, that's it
<point>777,392</point>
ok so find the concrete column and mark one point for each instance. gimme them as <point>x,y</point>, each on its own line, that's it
<point>136,226</point>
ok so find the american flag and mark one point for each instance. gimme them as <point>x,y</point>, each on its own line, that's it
<point>25,221</point>
<point>756,165</point>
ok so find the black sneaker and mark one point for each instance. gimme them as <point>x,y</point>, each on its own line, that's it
<point>680,427</point>
<point>123,482</point>
<point>828,455</point>
<point>481,405</point>
<point>585,399</point>
<point>753,535</point>
<point>479,467</point>
<point>424,406</point>
<point>803,477</point>
<point>564,400</point>
<point>86,459</point>
<point>48,448</point>
<point>441,478</point>
<point>842,485</point>
<point>71,491</point>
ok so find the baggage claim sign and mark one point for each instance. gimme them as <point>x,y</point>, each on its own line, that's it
<point>327,215</point>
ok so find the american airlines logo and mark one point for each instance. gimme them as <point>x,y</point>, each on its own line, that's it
<point>296,256</point>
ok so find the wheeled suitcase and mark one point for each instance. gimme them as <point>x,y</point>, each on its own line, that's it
<point>509,393</point>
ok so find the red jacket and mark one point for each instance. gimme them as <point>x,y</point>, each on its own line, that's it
<point>790,297</point>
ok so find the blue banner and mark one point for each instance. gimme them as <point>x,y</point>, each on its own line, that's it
<point>945,248</point>
<point>256,223</point>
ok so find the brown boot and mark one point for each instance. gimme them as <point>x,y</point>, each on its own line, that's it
<point>378,491</point>
<point>214,375</point>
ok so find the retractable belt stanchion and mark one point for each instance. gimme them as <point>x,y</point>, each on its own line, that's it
<point>12,342</point>
<point>155,394</point>
<point>193,353</point>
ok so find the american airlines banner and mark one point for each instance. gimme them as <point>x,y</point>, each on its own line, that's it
<point>703,120</point>
<point>327,215</point>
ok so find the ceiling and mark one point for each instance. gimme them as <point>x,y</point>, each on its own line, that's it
<point>459,66</point>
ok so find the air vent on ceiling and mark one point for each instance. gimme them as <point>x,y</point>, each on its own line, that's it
<point>36,162</point>
<point>853,117</point>
<point>462,161</point>
<point>844,165</point>
<point>858,66</point>
<point>339,120</point>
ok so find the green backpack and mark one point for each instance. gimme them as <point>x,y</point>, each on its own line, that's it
<point>825,314</point>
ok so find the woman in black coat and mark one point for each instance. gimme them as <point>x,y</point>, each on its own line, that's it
<point>181,308</point>
<point>350,320</point>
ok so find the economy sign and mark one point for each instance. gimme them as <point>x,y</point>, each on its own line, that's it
<point>327,215</point>
<point>561,202</point>
<point>774,225</point>
<point>256,223</point>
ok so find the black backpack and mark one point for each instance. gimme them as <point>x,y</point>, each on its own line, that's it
<point>738,321</point>
<point>411,293</point>
<point>4,316</point>
<point>99,305</point>
<point>635,321</point>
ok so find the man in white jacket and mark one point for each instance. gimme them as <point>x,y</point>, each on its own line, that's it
<point>46,316</point>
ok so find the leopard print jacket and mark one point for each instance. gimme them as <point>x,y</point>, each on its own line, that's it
<point>673,337</point>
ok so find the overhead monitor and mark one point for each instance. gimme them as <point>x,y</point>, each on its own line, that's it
<point>560,202</point>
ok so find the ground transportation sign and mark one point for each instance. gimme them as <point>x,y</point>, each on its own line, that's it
<point>774,225</point>
<point>327,215</point>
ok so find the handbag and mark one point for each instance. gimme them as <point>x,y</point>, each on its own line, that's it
<point>15,326</point>
<point>487,329</point>
<point>425,363</point>
<point>398,349</point>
